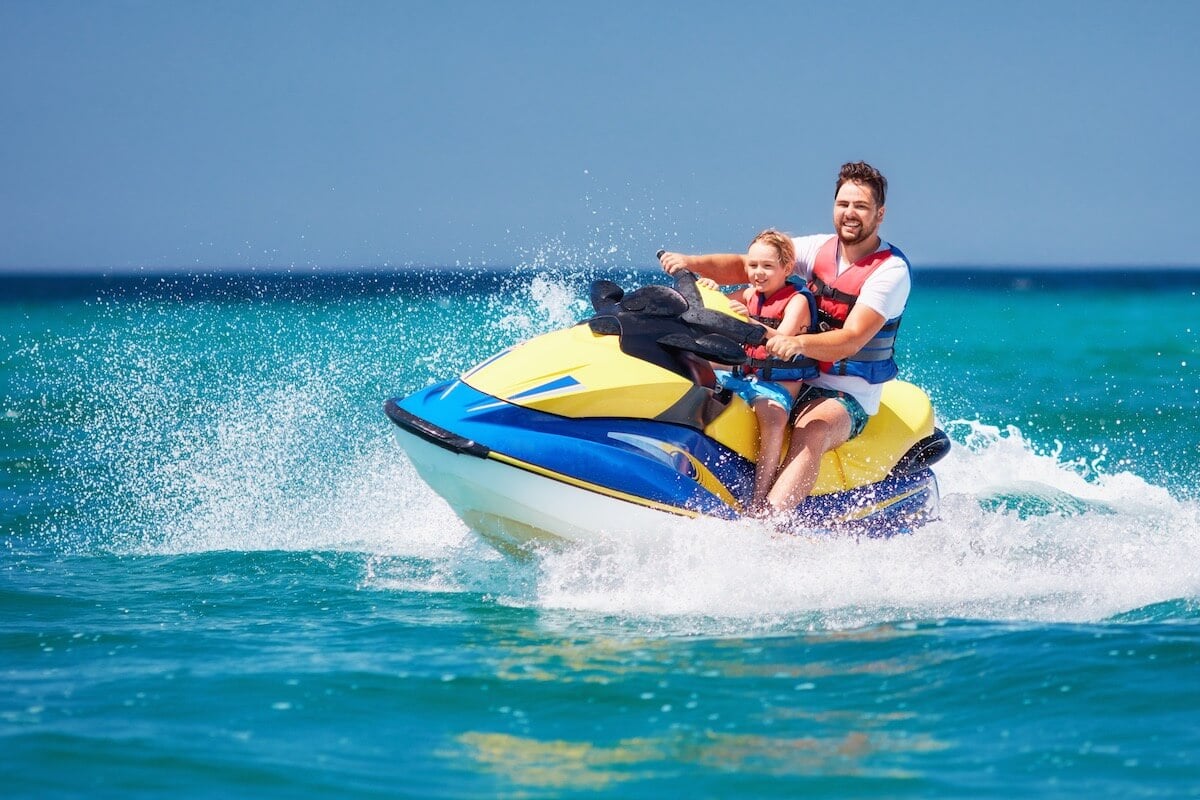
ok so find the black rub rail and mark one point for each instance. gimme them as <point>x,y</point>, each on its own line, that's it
<point>432,433</point>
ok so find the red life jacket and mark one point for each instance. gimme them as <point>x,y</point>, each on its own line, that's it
<point>768,311</point>
<point>836,295</point>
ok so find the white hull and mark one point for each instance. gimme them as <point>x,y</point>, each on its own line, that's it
<point>514,508</point>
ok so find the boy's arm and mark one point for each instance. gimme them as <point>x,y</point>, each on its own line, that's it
<point>861,326</point>
<point>796,318</point>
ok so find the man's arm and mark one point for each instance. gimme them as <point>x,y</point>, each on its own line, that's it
<point>885,290</point>
<point>725,268</point>
<point>861,326</point>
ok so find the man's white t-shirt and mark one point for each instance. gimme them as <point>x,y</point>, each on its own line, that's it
<point>885,292</point>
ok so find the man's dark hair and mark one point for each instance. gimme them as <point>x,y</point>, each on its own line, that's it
<point>864,173</point>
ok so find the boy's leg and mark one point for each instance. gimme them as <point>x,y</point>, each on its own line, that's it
<point>772,424</point>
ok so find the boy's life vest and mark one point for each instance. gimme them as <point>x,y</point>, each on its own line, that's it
<point>768,311</point>
<point>836,295</point>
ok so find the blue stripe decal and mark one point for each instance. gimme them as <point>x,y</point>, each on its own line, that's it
<point>561,383</point>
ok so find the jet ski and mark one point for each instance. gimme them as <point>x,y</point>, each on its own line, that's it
<point>608,428</point>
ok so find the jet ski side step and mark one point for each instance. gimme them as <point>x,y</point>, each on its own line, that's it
<point>432,433</point>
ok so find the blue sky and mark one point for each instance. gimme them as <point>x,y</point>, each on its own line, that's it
<point>198,135</point>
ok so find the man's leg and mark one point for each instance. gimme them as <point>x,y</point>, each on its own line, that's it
<point>822,425</point>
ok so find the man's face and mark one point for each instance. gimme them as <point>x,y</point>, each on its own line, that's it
<point>856,215</point>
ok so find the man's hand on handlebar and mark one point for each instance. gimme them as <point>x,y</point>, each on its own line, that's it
<point>673,262</point>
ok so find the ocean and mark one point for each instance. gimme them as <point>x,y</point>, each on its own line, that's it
<point>222,578</point>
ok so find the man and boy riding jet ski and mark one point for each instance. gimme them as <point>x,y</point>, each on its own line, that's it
<point>598,429</point>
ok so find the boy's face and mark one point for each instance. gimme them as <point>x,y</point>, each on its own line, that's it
<point>763,270</point>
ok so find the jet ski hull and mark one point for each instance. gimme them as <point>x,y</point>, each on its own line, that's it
<point>521,477</point>
<point>518,507</point>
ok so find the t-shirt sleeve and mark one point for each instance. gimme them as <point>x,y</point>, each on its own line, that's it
<point>806,252</point>
<point>886,291</point>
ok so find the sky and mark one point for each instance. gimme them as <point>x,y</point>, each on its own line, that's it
<point>299,135</point>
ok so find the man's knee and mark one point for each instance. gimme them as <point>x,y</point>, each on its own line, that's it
<point>824,426</point>
<point>813,436</point>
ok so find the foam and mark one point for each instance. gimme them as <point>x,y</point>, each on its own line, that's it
<point>972,563</point>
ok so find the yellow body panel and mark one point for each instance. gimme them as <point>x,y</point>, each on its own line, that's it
<point>905,417</point>
<point>737,429</point>
<point>604,382</point>
<point>718,302</point>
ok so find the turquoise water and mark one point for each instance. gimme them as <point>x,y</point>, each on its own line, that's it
<point>221,577</point>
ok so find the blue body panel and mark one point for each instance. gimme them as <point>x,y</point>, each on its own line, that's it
<point>600,451</point>
<point>648,461</point>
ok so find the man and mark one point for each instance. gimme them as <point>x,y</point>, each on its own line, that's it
<point>862,285</point>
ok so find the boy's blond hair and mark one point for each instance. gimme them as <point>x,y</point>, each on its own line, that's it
<point>782,243</point>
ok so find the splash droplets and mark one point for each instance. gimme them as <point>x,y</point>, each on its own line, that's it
<point>246,425</point>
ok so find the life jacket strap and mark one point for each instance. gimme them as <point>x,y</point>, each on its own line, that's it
<point>770,322</point>
<point>823,289</point>
<point>765,367</point>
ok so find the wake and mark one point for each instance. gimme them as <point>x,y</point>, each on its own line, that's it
<point>1059,548</point>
